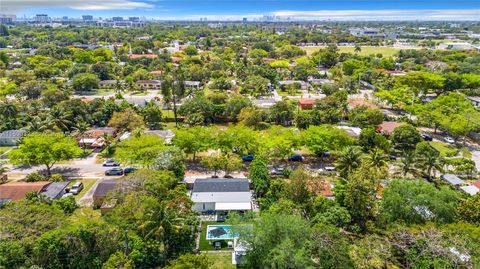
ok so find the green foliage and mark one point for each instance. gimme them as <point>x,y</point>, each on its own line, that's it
<point>259,175</point>
<point>469,209</point>
<point>171,159</point>
<point>189,261</point>
<point>405,137</point>
<point>320,139</point>
<point>415,202</point>
<point>44,149</point>
<point>66,204</point>
<point>127,120</point>
<point>141,150</point>
<point>85,82</point>
<point>34,177</point>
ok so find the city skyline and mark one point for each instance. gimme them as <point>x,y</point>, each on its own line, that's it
<point>237,10</point>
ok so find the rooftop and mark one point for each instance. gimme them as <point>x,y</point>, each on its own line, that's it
<point>12,133</point>
<point>54,189</point>
<point>387,127</point>
<point>17,190</point>
<point>105,187</point>
<point>211,185</point>
<point>452,179</point>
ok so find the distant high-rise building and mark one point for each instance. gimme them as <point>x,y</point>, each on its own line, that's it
<point>86,18</point>
<point>65,18</point>
<point>245,20</point>
<point>117,18</point>
<point>7,19</point>
<point>133,18</point>
<point>41,18</point>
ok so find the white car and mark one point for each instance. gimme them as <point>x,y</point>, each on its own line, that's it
<point>329,168</point>
<point>449,140</point>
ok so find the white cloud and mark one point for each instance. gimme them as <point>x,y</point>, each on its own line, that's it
<point>344,15</point>
<point>400,14</point>
<point>18,5</point>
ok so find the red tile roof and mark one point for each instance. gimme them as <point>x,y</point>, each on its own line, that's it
<point>388,127</point>
<point>17,190</point>
<point>476,184</point>
<point>156,72</point>
<point>353,103</point>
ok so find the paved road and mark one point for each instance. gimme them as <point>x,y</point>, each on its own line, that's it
<point>85,168</point>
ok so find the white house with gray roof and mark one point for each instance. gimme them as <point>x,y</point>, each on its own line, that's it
<point>221,194</point>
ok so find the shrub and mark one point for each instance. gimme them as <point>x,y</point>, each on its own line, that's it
<point>34,177</point>
<point>56,178</point>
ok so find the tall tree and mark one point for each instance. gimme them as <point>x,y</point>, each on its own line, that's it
<point>44,149</point>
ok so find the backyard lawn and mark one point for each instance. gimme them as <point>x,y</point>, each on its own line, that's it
<point>204,243</point>
<point>220,261</point>
<point>444,149</point>
<point>4,150</point>
<point>84,215</point>
<point>366,51</point>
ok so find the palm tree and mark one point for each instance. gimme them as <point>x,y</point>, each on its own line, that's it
<point>160,223</point>
<point>62,120</point>
<point>357,49</point>
<point>407,162</point>
<point>349,159</point>
<point>428,162</point>
<point>82,127</point>
<point>376,159</point>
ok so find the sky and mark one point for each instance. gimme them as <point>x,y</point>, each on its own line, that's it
<point>238,9</point>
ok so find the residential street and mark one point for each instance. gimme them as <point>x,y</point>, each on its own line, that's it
<point>85,168</point>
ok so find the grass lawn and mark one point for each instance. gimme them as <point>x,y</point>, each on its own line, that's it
<point>167,113</point>
<point>220,261</point>
<point>84,215</point>
<point>444,149</point>
<point>385,51</point>
<point>203,237</point>
<point>87,184</point>
<point>466,153</point>
<point>289,93</point>
<point>4,149</point>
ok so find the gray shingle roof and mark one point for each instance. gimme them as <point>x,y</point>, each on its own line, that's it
<point>221,185</point>
<point>105,187</point>
<point>13,134</point>
<point>54,189</point>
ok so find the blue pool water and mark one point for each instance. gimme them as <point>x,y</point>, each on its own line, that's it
<point>219,232</point>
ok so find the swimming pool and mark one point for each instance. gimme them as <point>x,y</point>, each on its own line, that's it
<point>215,232</point>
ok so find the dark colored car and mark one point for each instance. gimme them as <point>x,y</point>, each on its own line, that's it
<point>114,172</point>
<point>426,137</point>
<point>247,158</point>
<point>129,170</point>
<point>295,158</point>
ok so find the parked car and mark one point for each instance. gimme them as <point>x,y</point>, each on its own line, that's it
<point>247,158</point>
<point>128,170</point>
<point>110,162</point>
<point>329,168</point>
<point>114,172</point>
<point>68,194</point>
<point>295,158</point>
<point>392,157</point>
<point>426,137</point>
<point>76,188</point>
<point>278,171</point>
<point>449,140</point>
